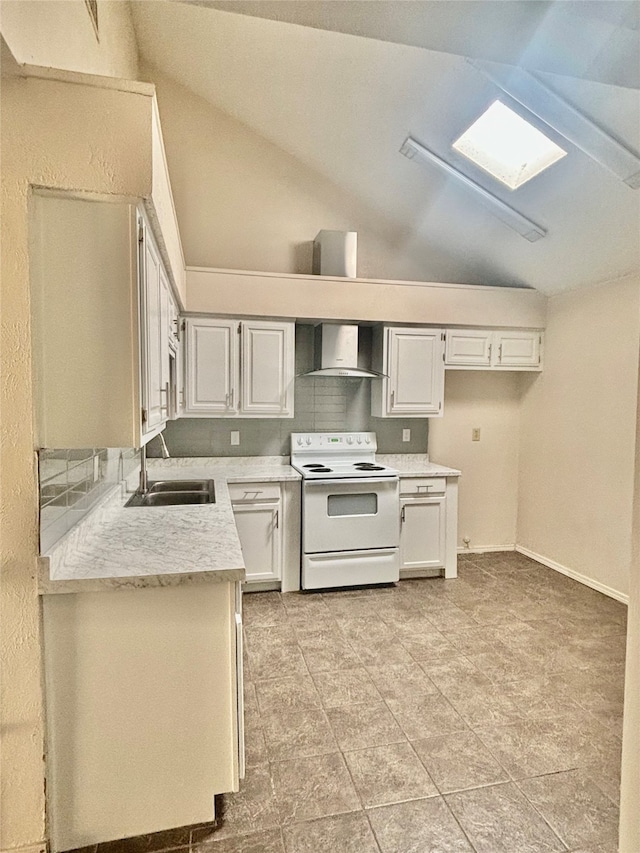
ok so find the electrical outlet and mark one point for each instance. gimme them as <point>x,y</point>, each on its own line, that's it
<point>235,437</point>
<point>406,435</point>
<point>475,434</point>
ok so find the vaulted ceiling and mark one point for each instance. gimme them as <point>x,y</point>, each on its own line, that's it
<point>339,85</point>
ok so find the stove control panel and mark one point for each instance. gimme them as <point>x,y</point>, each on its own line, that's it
<point>338,441</point>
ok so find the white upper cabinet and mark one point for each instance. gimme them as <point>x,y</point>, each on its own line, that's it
<point>516,349</point>
<point>154,300</point>
<point>412,359</point>
<point>212,367</point>
<point>99,296</point>
<point>239,368</point>
<point>485,349</point>
<point>468,347</point>
<point>268,368</point>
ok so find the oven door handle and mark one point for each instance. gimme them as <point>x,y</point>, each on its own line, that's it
<point>348,481</point>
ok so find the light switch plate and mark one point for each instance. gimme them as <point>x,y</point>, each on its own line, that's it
<point>235,437</point>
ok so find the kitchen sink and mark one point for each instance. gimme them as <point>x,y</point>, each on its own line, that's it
<point>179,486</point>
<point>175,493</point>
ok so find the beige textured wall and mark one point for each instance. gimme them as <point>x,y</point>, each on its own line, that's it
<point>488,492</point>
<point>629,812</point>
<point>60,34</point>
<point>577,447</point>
<point>244,203</point>
<point>43,142</point>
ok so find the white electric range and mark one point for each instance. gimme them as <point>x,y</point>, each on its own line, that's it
<point>350,510</point>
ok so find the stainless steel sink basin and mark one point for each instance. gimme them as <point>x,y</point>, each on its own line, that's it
<point>175,493</point>
<point>178,486</point>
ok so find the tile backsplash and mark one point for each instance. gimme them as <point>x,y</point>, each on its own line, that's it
<point>72,481</point>
<point>322,404</point>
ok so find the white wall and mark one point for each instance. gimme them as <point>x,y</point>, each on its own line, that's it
<point>630,784</point>
<point>577,450</point>
<point>60,34</point>
<point>71,137</point>
<point>488,492</point>
<point>243,203</point>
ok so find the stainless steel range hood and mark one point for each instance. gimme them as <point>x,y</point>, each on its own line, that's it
<point>336,345</point>
<point>336,352</point>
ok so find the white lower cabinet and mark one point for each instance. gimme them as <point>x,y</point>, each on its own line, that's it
<point>428,526</point>
<point>257,508</point>
<point>144,721</point>
<point>423,537</point>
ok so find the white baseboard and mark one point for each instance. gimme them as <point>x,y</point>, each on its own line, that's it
<point>584,579</point>
<point>29,848</point>
<point>487,549</point>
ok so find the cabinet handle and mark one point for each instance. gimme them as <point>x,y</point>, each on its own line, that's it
<point>426,488</point>
<point>500,353</point>
<point>176,334</point>
<point>490,348</point>
<point>231,399</point>
<point>277,521</point>
<point>402,515</point>
<point>165,390</point>
<point>393,399</point>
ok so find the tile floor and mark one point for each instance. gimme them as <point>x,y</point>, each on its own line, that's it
<point>478,714</point>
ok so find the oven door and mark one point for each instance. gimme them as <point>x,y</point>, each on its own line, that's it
<point>350,514</point>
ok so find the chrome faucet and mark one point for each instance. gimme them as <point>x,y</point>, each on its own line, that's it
<point>165,451</point>
<point>142,487</point>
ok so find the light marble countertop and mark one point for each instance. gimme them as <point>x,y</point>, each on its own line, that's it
<point>118,547</point>
<point>416,465</point>
<point>128,548</point>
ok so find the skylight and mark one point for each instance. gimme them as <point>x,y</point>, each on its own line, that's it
<point>508,147</point>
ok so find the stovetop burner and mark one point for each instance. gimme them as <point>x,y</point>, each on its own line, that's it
<point>334,456</point>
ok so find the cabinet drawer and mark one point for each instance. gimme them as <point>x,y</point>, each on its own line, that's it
<point>249,492</point>
<point>417,486</point>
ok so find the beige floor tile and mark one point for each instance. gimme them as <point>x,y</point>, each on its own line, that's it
<point>295,734</point>
<point>264,609</point>
<point>290,693</point>
<point>459,761</point>
<point>500,820</point>
<point>401,680</point>
<point>389,774</point>
<point>268,841</point>
<point>574,807</point>
<point>359,726</point>
<point>421,826</point>
<point>308,788</point>
<point>328,656</point>
<point>253,808</point>
<point>425,716</point>
<point>345,687</point>
<point>539,747</point>
<point>345,833</point>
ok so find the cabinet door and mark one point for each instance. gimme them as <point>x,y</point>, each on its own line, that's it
<point>517,349</point>
<point>260,537</point>
<point>212,367</point>
<point>415,368</point>
<point>267,369</point>
<point>468,348</point>
<point>154,372</point>
<point>423,534</point>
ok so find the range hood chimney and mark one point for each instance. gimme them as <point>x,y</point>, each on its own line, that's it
<point>336,348</point>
